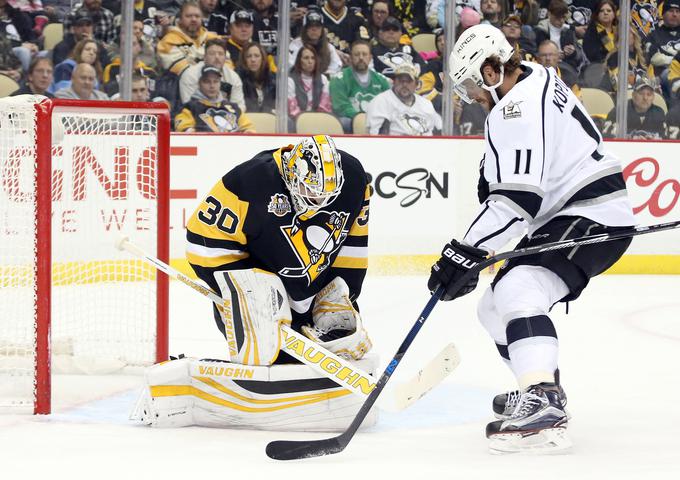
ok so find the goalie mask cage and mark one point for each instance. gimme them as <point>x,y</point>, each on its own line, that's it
<point>75,176</point>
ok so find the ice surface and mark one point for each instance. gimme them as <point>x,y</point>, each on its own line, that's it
<point>619,361</point>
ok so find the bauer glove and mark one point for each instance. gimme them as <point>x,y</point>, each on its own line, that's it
<point>455,261</point>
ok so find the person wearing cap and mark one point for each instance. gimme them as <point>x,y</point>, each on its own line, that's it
<point>241,28</point>
<point>81,27</point>
<point>389,51</point>
<point>102,20</point>
<point>184,44</point>
<point>662,43</point>
<point>314,34</point>
<point>354,88</point>
<point>215,56</point>
<point>399,111</point>
<point>602,34</point>
<point>512,29</point>
<point>556,29</point>
<point>209,111</point>
<point>645,120</point>
<point>343,25</point>
<point>213,21</point>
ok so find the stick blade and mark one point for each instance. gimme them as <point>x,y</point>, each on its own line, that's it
<point>294,450</point>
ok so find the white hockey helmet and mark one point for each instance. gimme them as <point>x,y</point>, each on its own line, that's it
<point>469,53</point>
<point>312,173</point>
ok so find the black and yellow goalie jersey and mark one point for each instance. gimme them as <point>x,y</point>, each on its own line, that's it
<point>247,221</point>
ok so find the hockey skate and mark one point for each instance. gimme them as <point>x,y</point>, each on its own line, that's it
<point>504,404</point>
<point>538,423</point>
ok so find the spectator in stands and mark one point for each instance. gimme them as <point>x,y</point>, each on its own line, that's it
<point>241,28</point>
<point>314,34</point>
<point>111,75</point>
<point>431,84</point>
<point>548,55</point>
<point>38,79</point>
<point>399,111</point>
<point>645,17</point>
<point>601,36</point>
<point>209,111</point>
<point>85,51</point>
<point>17,27</point>
<point>555,28</point>
<point>512,29</point>
<point>184,44</point>
<point>259,83</point>
<point>528,11</point>
<point>646,121</point>
<point>308,89</point>
<point>411,14</point>
<point>389,53</point>
<point>493,12</point>
<point>35,12</point>
<point>81,28</point>
<point>215,56</point>
<point>10,65</point>
<point>82,85</point>
<point>664,42</point>
<point>353,89</point>
<point>266,24</point>
<point>343,26</point>
<point>380,10</point>
<point>637,65</point>
<point>139,88</point>
<point>146,42</point>
<point>212,20</point>
<point>102,20</point>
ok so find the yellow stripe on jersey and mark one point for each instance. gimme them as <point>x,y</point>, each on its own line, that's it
<point>213,262</point>
<point>351,262</point>
<point>360,226</point>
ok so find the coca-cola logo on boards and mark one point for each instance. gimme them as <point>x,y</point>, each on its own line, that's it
<point>663,195</point>
<point>410,185</point>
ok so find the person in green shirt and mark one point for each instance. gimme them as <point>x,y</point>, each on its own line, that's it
<point>355,86</point>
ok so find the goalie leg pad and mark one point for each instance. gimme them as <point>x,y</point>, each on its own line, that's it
<point>255,304</point>
<point>337,324</point>
<point>214,393</point>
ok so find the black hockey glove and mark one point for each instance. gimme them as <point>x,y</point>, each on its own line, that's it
<point>455,261</point>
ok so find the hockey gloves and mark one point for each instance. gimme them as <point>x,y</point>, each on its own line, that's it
<point>455,261</point>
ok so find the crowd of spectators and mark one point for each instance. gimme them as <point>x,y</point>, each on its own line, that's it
<point>214,61</point>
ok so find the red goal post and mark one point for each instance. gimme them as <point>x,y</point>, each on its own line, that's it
<point>74,176</point>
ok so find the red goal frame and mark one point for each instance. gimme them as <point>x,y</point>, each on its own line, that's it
<point>43,265</point>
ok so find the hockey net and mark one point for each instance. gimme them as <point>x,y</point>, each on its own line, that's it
<point>74,176</point>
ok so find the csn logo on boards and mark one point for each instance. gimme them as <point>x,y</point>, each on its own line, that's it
<point>410,186</point>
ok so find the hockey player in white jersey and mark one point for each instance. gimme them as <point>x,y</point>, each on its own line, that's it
<point>545,175</point>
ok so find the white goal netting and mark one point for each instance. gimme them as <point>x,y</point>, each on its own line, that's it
<point>104,305</point>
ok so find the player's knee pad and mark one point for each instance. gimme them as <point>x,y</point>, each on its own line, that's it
<point>215,393</point>
<point>527,291</point>
<point>337,324</point>
<point>489,317</point>
<point>255,304</point>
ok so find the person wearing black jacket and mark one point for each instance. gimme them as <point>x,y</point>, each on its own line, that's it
<point>259,84</point>
<point>38,79</point>
<point>646,121</point>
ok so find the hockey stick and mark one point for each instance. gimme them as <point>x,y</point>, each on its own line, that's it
<point>345,374</point>
<point>291,450</point>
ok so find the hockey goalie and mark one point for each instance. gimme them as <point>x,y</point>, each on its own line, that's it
<point>283,239</point>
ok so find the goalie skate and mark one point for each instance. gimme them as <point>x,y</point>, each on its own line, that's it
<point>537,425</point>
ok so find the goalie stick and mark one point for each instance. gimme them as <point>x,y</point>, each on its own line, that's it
<point>292,450</point>
<point>404,395</point>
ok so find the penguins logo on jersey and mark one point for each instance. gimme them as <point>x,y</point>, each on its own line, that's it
<point>414,124</point>
<point>220,120</point>
<point>279,205</point>
<point>393,60</point>
<point>314,239</point>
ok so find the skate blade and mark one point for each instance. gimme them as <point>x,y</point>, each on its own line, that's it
<point>550,441</point>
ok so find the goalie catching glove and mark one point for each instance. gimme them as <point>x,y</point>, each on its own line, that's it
<point>337,324</point>
<point>457,258</point>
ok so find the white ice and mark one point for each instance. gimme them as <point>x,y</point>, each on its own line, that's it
<point>620,356</point>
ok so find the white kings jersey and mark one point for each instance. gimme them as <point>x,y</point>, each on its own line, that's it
<point>544,158</point>
<point>387,111</point>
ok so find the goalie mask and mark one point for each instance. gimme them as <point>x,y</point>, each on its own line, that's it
<point>312,173</point>
<point>471,50</point>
